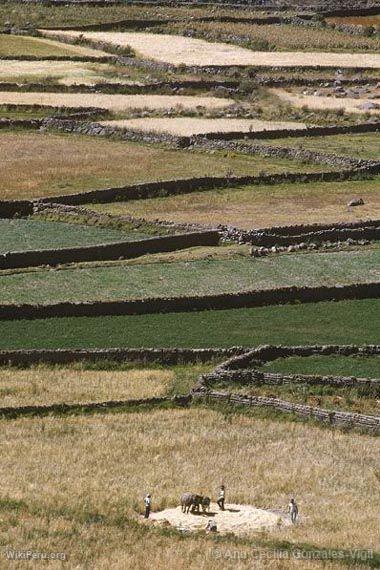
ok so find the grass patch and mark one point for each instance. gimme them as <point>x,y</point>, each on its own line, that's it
<point>363,146</point>
<point>260,205</point>
<point>24,235</point>
<point>30,46</point>
<point>37,164</point>
<point>189,278</point>
<point>343,322</point>
<point>332,365</point>
<point>92,509</point>
<point>285,37</point>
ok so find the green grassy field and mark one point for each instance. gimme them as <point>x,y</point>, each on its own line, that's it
<point>363,146</point>
<point>199,277</point>
<point>21,46</point>
<point>332,365</point>
<point>343,322</point>
<point>24,235</point>
<point>260,206</point>
<point>38,164</point>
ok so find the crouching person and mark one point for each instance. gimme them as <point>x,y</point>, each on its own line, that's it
<point>211,526</point>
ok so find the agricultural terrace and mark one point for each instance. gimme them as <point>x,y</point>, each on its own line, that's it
<point>119,396</point>
<point>54,164</point>
<point>260,206</point>
<point>190,278</point>
<point>176,49</point>
<point>342,322</point>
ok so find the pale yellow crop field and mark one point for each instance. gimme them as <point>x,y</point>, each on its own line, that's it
<point>117,103</point>
<point>349,105</point>
<point>43,385</point>
<point>183,50</point>
<point>186,126</point>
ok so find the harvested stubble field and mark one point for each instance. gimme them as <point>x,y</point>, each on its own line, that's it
<point>91,511</point>
<point>260,206</point>
<point>187,126</point>
<point>44,386</point>
<point>116,103</point>
<point>364,146</point>
<point>343,322</point>
<point>191,278</point>
<point>276,37</point>
<point>178,50</point>
<point>345,104</point>
<point>35,164</point>
<point>24,235</point>
<point>41,47</point>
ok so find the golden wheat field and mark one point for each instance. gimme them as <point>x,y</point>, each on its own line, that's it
<point>183,50</point>
<point>349,105</point>
<point>83,479</point>
<point>186,126</point>
<point>116,103</point>
<point>44,386</point>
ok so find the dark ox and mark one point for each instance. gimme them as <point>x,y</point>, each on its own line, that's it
<point>191,501</point>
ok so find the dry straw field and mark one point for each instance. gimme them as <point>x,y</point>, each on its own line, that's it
<point>349,105</point>
<point>183,50</point>
<point>118,458</point>
<point>116,103</point>
<point>185,126</point>
<point>43,385</point>
<point>65,72</point>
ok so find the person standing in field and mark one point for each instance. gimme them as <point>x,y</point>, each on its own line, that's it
<point>293,510</point>
<point>221,498</point>
<point>147,503</point>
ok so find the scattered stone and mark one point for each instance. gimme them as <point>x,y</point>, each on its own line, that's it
<point>356,202</point>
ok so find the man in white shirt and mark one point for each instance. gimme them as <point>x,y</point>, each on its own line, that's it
<point>221,498</point>
<point>147,503</point>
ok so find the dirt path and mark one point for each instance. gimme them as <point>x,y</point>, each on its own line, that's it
<point>239,519</point>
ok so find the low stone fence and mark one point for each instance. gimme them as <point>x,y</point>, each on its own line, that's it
<point>267,353</point>
<point>329,417</point>
<point>154,305</point>
<point>189,185</point>
<point>15,208</point>
<point>372,127</point>
<point>88,407</point>
<point>304,234</point>
<point>164,356</point>
<point>125,249</point>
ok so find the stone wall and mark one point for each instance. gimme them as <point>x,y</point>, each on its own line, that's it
<point>191,303</point>
<point>120,250</point>
<point>164,356</point>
